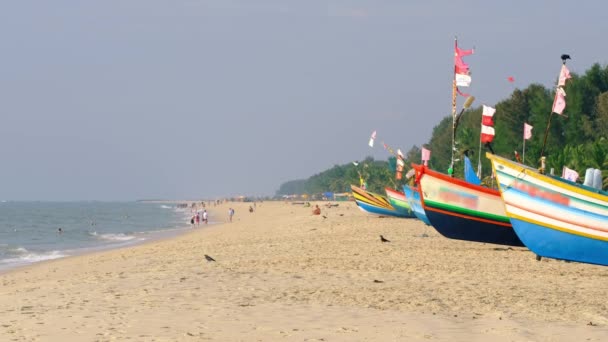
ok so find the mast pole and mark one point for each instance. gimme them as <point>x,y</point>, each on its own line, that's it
<point>451,169</point>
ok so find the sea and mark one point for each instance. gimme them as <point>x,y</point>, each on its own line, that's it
<point>30,231</point>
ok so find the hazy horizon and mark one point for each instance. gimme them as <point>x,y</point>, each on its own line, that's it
<point>128,100</point>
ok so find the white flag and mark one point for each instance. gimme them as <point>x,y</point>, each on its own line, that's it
<point>371,140</point>
<point>463,80</point>
<point>569,174</point>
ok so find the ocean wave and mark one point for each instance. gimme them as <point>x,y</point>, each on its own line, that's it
<point>34,257</point>
<point>113,237</point>
<point>165,206</point>
<point>18,250</point>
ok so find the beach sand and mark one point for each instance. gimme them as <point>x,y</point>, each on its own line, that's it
<point>284,274</point>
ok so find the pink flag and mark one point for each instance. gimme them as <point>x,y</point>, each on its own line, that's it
<point>487,131</point>
<point>371,140</point>
<point>460,52</point>
<point>559,103</point>
<point>462,94</point>
<point>426,155</point>
<point>564,74</point>
<point>527,131</point>
<point>569,174</point>
<point>461,69</point>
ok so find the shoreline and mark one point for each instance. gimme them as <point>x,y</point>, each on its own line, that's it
<point>284,273</point>
<point>151,236</point>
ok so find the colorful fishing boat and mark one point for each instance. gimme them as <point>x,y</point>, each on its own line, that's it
<point>413,198</point>
<point>373,203</point>
<point>553,217</point>
<point>399,202</point>
<point>461,210</point>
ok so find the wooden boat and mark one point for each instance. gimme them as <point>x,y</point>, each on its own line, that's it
<point>369,197</point>
<point>413,198</point>
<point>553,217</point>
<point>373,203</point>
<point>464,211</point>
<point>399,202</point>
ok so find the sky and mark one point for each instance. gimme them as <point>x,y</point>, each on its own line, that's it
<point>185,99</point>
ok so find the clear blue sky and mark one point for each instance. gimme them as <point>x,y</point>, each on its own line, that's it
<point>129,99</point>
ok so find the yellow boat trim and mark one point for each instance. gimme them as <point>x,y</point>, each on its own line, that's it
<point>542,224</point>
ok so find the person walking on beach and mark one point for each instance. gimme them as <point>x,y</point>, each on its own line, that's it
<point>198,218</point>
<point>205,216</point>
<point>230,213</point>
<point>192,222</point>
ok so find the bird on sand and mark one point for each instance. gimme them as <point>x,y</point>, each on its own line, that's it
<point>324,216</point>
<point>208,258</point>
<point>383,239</point>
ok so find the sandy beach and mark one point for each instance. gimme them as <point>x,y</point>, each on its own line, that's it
<point>284,274</point>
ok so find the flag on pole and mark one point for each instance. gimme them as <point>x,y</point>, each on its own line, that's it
<point>527,131</point>
<point>462,94</point>
<point>372,138</point>
<point>463,80</point>
<point>559,103</point>
<point>569,174</point>
<point>426,156</point>
<point>564,74</point>
<point>487,123</point>
<point>462,77</point>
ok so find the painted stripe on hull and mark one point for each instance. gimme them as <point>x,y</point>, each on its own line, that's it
<point>371,209</point>
<point>556,244</point>
<point>461,228</point>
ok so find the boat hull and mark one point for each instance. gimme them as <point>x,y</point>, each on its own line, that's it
<point>399,202</point>
<point>413,198</point>
<point>380,211</point>
<point>554,218</point>
<point>464,211</point>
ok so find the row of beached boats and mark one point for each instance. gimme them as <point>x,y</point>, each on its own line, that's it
<point>551,216</point>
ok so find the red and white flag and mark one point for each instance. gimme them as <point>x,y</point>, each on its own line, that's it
<point>569,174</point>
<point>487,131</point>
<point>461,69</point>
<point>426,156</point>
<point>564,74</point>
<point>372,138</point>
<point>527,131</point>
<point>559,103</point>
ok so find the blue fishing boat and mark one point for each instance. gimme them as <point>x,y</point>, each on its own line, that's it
<point>554,217</point>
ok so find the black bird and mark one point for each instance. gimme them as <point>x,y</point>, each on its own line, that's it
<point>208,258</point>
<point>378,281</point>
<point>383,239</point>
<point>564,57</point>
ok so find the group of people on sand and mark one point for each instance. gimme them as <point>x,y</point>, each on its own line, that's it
<point>198,217</point>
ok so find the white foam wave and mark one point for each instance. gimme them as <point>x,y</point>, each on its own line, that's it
<point>34,257</point>
<point>166,206</point>
<point>20,250</point>
<point>113,237</point>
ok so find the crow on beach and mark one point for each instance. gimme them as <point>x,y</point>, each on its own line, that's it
<point>208,258</point>
<point>383,239</point>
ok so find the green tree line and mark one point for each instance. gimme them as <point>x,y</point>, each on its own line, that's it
<point>578,139</point>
